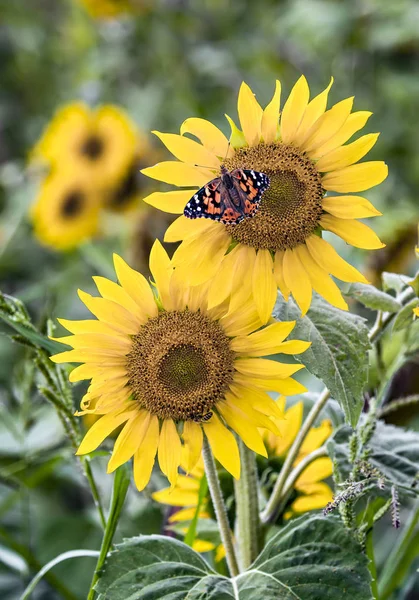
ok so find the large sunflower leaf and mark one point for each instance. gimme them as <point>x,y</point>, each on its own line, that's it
<point>338,354</point>
<point>312,557</point>
<point>369,296</point>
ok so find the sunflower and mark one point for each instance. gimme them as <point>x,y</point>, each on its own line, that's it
<point>305,156</point>
<point>66,211</point>
<point>172,370</point>
<point>310,491</point>
<point>100,143</point>
<point>105,9</point>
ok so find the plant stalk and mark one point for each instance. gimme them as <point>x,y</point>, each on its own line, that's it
<point>219,508</point>
<point>248,526</point>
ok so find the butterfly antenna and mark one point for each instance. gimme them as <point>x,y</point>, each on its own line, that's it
<point>227,151</point>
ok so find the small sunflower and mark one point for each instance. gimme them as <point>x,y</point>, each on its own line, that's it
<point>171,370</point>
<point>97,143</point>
<point>66,211</point>
<point>311,493</point>
<point>305,155</point>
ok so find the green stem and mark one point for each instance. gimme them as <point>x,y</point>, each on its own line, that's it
<point>248,530</point>
<point>85,461</point>
<point>371,565</point>
<point>219,508</point>
<point>397,562</point>
<point>120,488</point>
<point>270,512</point>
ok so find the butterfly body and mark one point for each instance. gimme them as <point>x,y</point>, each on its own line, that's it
<point>230,198</point>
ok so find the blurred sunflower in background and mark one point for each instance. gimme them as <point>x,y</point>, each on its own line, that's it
<point>66,211</point>
<point>172,369</point>
<point>303,151</point>
<point>310,492</point>
<point>105,9</point>
<point>100,147</point>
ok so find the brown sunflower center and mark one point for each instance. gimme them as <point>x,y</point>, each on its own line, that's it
<point>180,365</point>
<point>72,204</point>
<point>126,190</point>
<point>93,147</point>
<point>290,208</point>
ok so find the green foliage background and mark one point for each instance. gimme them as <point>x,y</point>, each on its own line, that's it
<point>178,59</point>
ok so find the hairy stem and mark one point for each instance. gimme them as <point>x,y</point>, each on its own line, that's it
<point>219,508</point>
<point>248,530</point>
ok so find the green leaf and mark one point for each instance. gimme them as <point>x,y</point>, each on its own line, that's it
<point>32,335</point>
<point>404,317</point>
<point>312,557</point>
<point>338,352</point>
<point>369,296</point>
<point>191,533</point>
<point>394,451</point>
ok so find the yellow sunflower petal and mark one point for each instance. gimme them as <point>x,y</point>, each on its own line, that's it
<point>209,135</point>
<point>87,326</point>
<point>326,257</point>
<point>416,311</point>
<point>102,429</point>
<point>349,207</point>
<point>183,228</point>
<point>297,280</point>
<point>129,440</point>
<point>347,155</point>
<point>115,342</point>
<point>264,285</point>
<point>250,115</point>
<point>241,282</point>
<point>237,139</point>
<point>314,110</point>
<point>243,426</point>
<point>193,438</point>
<point>203,546</point>
<point>221,285</point>
<point>316,438</point>
<point>288,428</point>
<point>270,117</point>
<point>265,368</point>
<point>327,125</point>
<point>170,202</point>
<point>279,274</point>
<point>322,468</point>
<point>257,418</point>
<point>177,496</point>
<point>110,312</point>
<point>187,514</point>
<point>353,232</point>
<point>188,151</point>
<point>287,386</point>
<point>258,399</point>
<point>169,451</point>
<point>353,123</point>
<point>294,109</point>
<point>241,321</point>
<point>264,341</point>
<point>356,178</point>
<point>293,347</point>
<point>145,455</point>
<point>317,495</point>
<point>223,445</point>
<point>320,280</point>
<point>136,285</point>
<point>112,291</point>
<point>161,270</point>
<point>179,174</point>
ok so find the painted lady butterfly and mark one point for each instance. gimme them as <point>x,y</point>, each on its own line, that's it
<point>230,198</point>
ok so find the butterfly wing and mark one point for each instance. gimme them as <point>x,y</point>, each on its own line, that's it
<point>206,202</point>
<point>213,201</point>
<point>250,186</point>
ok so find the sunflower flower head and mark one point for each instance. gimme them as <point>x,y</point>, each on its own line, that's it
<point>109,9</point>
<point>170,370</point>
<point>99,143</point>
<point>313,173</point>
<point>66,211</point>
